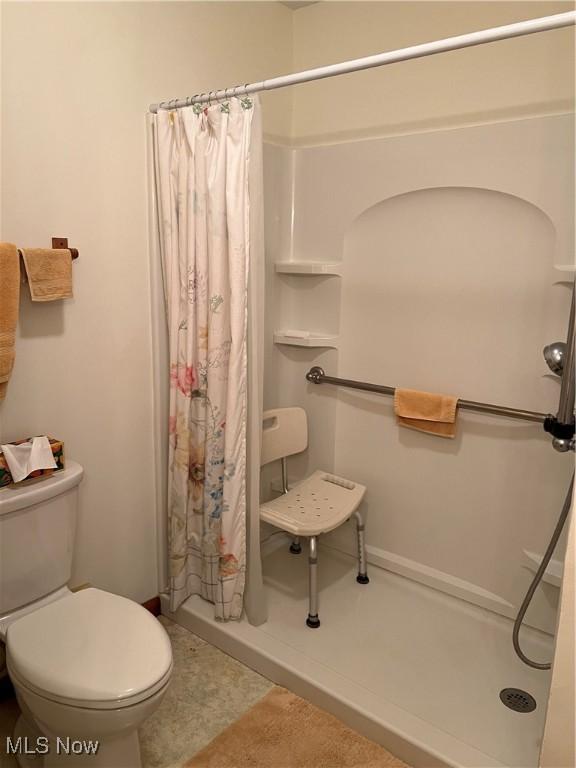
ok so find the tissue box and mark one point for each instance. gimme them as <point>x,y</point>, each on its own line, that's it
<point>57,450</point>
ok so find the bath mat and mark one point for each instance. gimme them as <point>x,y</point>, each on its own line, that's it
<point>284,731</point>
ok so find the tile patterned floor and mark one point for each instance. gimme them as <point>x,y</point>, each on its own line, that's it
<point>209,691</point>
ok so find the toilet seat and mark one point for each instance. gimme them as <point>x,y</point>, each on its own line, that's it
<point>92,704</point>
<point>91,649</point>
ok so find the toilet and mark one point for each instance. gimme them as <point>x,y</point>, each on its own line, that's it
<point>88,667</point>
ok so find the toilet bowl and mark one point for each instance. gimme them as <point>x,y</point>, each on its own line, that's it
<point>89,667</point>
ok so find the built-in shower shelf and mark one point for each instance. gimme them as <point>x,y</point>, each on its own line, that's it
<point>568,269</point>
<point>553,572</point>
<point>309,267</point>
<point>308,340</point>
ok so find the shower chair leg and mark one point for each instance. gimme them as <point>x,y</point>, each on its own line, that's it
<point>296,547</point>
<point>362,577</point>
<point>313,621</point>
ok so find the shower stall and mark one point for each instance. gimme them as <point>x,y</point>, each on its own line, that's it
<point>440,261</point>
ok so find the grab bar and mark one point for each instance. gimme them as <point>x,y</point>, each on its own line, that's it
<point>316,375</point>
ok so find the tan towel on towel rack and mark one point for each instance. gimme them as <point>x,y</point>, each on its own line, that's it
<point>426,412</point>
<point>9,301</point>
<point>49,273</point>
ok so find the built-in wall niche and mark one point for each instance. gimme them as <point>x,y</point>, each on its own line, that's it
<point>461,285</point>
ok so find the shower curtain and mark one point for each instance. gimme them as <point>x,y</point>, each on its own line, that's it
<point>208,195</point>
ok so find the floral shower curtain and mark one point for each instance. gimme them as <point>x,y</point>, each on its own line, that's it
<point>206,195</point>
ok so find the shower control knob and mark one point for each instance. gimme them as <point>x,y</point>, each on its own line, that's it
<point>563,446</point>
<point>554,356</point>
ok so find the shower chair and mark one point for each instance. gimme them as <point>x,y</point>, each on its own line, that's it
<point>316,505</point>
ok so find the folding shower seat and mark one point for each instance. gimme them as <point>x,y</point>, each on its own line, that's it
<point>316,505</point>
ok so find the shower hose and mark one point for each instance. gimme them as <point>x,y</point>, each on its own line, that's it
<point>537,579</point>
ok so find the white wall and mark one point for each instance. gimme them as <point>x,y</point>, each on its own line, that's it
<point>448,242</point>
<point>525,77</point>
<point>76,83</point>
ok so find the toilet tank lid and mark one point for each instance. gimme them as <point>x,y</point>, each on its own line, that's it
<point>18,497</point>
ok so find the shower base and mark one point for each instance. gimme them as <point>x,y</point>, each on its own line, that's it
<point>414,669</point>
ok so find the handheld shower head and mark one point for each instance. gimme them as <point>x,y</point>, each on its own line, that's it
<point>554,356</point>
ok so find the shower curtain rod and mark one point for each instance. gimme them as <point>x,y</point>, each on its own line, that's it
<point>544,24</point>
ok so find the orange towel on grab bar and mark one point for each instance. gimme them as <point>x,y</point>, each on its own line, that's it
<point>426,412</point>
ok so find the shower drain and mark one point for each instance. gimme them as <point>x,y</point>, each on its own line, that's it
<point>518,700</point>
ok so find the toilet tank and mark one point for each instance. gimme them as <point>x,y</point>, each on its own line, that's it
<point>37,526</point>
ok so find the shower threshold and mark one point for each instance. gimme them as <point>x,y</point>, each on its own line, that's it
<point>410,667</point>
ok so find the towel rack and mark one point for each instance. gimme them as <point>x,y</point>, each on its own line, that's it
<point>316,375</point>
<point>62,242</point>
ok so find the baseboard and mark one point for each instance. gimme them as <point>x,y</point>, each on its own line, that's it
<point>153,605</point>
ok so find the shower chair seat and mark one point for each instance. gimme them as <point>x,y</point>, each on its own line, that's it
<point>316,505</point>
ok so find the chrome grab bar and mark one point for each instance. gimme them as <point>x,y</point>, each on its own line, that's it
<point>316,375</point>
